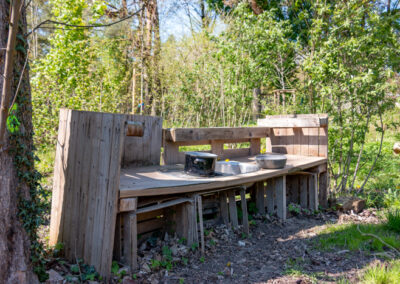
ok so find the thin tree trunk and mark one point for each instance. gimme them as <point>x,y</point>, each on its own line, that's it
<point>15,265</point>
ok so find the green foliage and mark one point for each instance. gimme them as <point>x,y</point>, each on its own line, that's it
<point>347,236</point>
<point>382,273</point>
<point>393,220</point>
<point>294,208</point>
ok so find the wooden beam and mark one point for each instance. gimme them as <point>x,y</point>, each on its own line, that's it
<point>260,192</point>
<point>303,191</point>
<point>245,217</point>
<point>200,209</point>
<point>313,192</point>
<point>291,122</point>
<point>214,133</point>
<point>232,209</point>
<point>130,239</point>
<point>224,207</point>
<point>127,204</point>
<point>280,189</point>
<point>164,205</point>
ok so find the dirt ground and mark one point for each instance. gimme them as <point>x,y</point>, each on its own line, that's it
<point>269,255</point>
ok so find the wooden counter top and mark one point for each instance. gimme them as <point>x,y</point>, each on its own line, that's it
<point>157,180</point>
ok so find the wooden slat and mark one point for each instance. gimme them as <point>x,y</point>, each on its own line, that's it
<point>245,217</point>
<point>200,209</point>
<point>150,215</point>
<point>214,133</point>
<point>313,192</point>
<point>271,196</point>
<point>260,192</point>
<point>130,239</point>
<point>150,225</point>
<point>59,176</point>
<point>224,207</point>
<point>232,209</point>
<point>323,189</point>
<point>255,146</point>
<point>292,188</point>
<point>163,205</point>
<point>297,121</point>
<point>303,183</point>
<point>171,153</point>
<point>304,137</point>
<point>323,142</point>
<point>280,190</point>
<point>313,142</point>
<point>144,150</point>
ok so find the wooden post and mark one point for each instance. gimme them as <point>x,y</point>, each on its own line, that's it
<point>313,191</point>
<point>130,239</point>
<point>323,189</point>
<point>280,189</point>
<point>232,208</point>
<point>271,196</point>
<point>260,199</point>
<point>224,207</point>
<point>303,191</point>
<point>292,187</point>
<point>245,218</point>
<point>200,210</point>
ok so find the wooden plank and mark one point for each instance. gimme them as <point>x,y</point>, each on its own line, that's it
<point>130,239</point>
<point>303,183</point>
<point>313,142</point>
<point>245,217</point>
<point>200,209</point>
<point>323,189</point>
<point>150,225</point>
<point>118,239</point>
<point>217,147</point>
<point>292,189</point>
<point>127,204</point>
<point>232,209</point>
<point>192,223</point>
<point>235,153</point>
<point>182,222</point>
<point>149,215</point>
<point>260,199</point>
<point>289,122</point>
<point>59,176</point>
<point>163,205</point>
<point>214,133</point>
<point>280,189</point>
<point>144,150</point>
<point>313,192</point>
<point>304,142</point>
<point>271,196</point>
<point>323,142</point>
<point>93,186</point>
<point>150,181</point>
<point>297,141</point>
<point>171,153</point>
<point>224,207</point>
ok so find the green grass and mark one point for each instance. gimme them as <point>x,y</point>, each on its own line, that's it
<point>347,236</point>
<point>393,220</point>
<point>382,273</point>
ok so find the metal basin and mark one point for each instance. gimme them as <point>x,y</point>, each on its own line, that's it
<point>234,168</point>
<point>271,161</point>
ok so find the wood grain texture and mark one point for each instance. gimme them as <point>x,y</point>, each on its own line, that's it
<point>144,150</point>
<point>214,133</point>
<point>224,207</point>
<point>245,217</point>
<point>85,191</point>
<point>271,196</point>
<point>280,191</point>
<point>232,209</point>
<point>259,196</point>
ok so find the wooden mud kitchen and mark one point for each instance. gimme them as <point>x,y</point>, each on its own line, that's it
<point>112,188</point>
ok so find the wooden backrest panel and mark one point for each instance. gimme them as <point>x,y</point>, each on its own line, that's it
<point>216,137</point>
<point>86,185</point>
<point>145,150</point>
<point>303,134</point>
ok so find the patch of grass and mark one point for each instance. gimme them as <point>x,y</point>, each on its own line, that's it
<point>382,273</point>
<point>393,220</point>
<point>294,268</point>
<point>347,236</point>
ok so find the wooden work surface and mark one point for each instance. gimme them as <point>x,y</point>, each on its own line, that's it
<point>158,180</point>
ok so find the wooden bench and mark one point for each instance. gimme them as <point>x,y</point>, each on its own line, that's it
<point>97,216</point>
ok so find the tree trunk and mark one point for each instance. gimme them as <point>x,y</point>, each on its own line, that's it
<point>15,266</point>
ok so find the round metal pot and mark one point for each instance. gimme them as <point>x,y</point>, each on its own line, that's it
<point>199,163</point>
<point>271,161</point>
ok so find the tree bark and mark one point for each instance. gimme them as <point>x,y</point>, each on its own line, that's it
<point>15,266</point>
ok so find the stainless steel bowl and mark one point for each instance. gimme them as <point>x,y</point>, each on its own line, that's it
<point>271,161</point>
<point>228,167</point>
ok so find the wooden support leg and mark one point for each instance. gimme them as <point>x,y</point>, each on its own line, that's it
<point>313,191</point>
<point>245,217</point>
<point>186,222</point>
<point>260,199</point>
<point>200,209</point>
<point>117,252</point>
<point>271,196</point>
<point>323,189</point>
<point>224,207</point>
<point>232,209</point>
<point>280,188</point>
<point>130,239</point>
<point>303,191</point>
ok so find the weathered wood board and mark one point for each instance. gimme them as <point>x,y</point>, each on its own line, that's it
<point>148,181</point>
<point>86,182</point>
